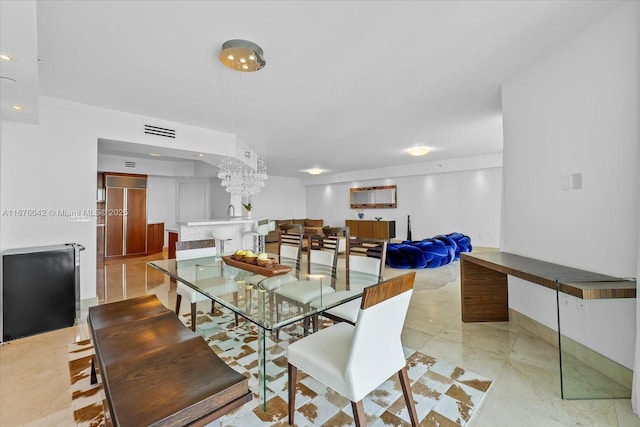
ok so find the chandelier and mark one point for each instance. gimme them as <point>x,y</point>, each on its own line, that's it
<point>245,173</point>
<point>241,179</point>
<point>242,55</point>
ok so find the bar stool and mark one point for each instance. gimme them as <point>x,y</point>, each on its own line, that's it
<point>222,235</point>
<point>258,235</point>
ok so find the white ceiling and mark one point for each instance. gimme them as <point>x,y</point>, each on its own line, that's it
<point>348,85</point>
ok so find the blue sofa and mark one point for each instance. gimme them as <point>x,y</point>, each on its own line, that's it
<point>428,253</point>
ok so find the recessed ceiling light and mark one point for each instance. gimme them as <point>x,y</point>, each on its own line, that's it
<point>6,57</point>
<point>18,107</point>
<point>315,171</point>
<point>154,154</point>
<point>418,151</point>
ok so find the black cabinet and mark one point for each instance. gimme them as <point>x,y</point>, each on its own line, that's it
<point>41,289</point>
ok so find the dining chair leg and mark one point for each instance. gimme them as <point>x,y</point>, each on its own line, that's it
<point>213,307</point>
<point>193,316</point>
<point>408,395</point>
<point>178,301</point>
<point>292,372</point>
<point>358,413</point>
<point>305,324</point>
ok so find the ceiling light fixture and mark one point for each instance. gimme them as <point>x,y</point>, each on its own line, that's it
<point>6,57</point>
<point>242,55</point>
<point>418,151</point>
<point>18,107</point>
<point>315,171</point>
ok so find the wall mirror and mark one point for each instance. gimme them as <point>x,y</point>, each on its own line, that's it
<point>384,196</point>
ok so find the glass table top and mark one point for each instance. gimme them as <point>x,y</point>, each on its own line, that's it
<point>255,298</point>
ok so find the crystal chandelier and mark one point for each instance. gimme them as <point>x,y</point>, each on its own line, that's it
<point>245,173</point>
<point>241,179</point>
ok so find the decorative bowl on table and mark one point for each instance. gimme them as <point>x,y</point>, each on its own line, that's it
<point>266,262</point>
<point>251,259</point>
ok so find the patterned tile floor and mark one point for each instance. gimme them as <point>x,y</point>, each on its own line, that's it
<point>445,394</point>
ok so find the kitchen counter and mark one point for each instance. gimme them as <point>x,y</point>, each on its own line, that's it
<point>218,221</point>
<point>201,230</point>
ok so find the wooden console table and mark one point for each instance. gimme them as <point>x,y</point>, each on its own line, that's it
<point>382,230</point>
<point>484,292</point>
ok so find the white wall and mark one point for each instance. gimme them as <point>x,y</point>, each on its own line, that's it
<point>51,167</point>
<point>219,198</point>
<point>575,110</point>
<point>161,201</point>
<point>280,198</point>
<point>466,201</point>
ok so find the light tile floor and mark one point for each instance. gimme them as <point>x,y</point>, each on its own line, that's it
<point>35,387</point>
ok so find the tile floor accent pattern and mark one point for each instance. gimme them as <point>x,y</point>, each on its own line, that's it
<point>445,394</point>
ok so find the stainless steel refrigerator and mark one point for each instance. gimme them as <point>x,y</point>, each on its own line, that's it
<point>40,289</point>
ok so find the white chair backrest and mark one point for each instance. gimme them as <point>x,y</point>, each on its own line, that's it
<point>363,272</point>
<point>376,350</point>
<point>290,245</point>
<point>321,263</point>
<point>364,264</point>
<point>289,252</point>
<point>323,255</point>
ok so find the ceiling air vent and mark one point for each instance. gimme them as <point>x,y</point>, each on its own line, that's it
<point>129,164</point>
<point>159,131</point>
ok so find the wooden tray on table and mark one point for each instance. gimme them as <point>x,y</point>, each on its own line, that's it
<point>276,270</point>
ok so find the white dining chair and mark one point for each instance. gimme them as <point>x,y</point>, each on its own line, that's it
<point>190,250</point>
<point>356,359</point>
<point>367,259</point>
<point>322,262</point>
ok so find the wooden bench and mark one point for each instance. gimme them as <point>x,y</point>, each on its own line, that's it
<point>157,372</point>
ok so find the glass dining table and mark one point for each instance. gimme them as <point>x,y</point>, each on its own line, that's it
<point>255,298</point>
